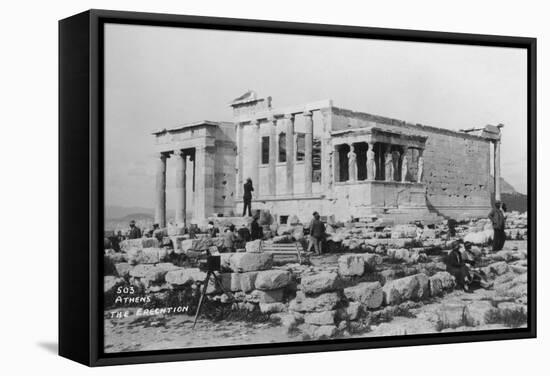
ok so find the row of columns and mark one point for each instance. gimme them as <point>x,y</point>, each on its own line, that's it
<point>181,159</point>
<point>288,123</point>
<point>389,164</point>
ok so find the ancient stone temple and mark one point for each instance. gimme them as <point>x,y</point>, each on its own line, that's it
<point>318,157</point>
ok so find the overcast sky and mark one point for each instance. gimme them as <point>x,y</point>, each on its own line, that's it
<point>160,77</point>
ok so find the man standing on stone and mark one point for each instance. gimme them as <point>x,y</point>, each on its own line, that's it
<point>256,231</point>
<point>134,232</point>
<point>247,197</point>
<point>497,218</point>
<point>316,234</point>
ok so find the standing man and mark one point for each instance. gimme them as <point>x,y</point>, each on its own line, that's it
<point>497,218</point>
<point>247,197</point>
<point>256,231</point>
<point>316,234</point>
<point>134,232</point>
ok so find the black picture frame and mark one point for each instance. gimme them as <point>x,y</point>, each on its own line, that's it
<point>81,184</point>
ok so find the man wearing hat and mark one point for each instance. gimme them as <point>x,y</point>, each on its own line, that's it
<point>248,188</point>
<point>497,218</point>
<point>316,234</point>
<point>134,232</point>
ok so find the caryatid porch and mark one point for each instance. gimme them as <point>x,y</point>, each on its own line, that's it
<point>375,154</point>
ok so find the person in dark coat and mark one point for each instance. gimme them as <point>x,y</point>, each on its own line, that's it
<point>212,230</point>
<point>134,232</point>
<point>316,234</point>
<point>457,268</point>
<point>497,218</point>
<point>247,197</point>
<point>256,231</point>
<point>229,239</point>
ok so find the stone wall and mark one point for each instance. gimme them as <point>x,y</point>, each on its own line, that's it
<point>456,165</point>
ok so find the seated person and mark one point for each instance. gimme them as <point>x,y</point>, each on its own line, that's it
<point>478,277</point>
<point>457,268</point>
<point>229,239</point>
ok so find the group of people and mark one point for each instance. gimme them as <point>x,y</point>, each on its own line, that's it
<point>461,260</point>
<point>236,238</point>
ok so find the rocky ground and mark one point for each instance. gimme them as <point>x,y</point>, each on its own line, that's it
<point>376,281</point>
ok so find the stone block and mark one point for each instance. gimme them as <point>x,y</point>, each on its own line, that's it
<point>230,282</point>
<point>499,268</point>
<point>414,287</point>
<point>323,302</point>
<point>321,282</point>
<point>254,246</point>
<point>247,281</point>
<point>146,255</point>
<point>372,259</point>
<point>403,231</point>
<point>272,279</point>
<point>351,265</point>
<point>177,243</point>
<point>400,254</point>
<point>367,293</point>
<point>123,269</point>
<point>272,307</point>
<point>441,282</point>
<point>184,276</point>
<point>141,270</point>
<point>248,262</point>
<point>320,318</point>
<point>267,296</point>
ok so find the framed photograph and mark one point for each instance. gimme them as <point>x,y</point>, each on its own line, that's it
<point>234,187</point>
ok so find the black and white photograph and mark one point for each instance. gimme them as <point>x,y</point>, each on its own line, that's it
<point>271,188</point>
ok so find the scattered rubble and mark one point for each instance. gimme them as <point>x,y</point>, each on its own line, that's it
<point>373,275</point>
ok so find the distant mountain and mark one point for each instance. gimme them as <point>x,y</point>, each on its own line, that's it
<point>121,212</point>
<point>506,187</point>
<point>513,200</point>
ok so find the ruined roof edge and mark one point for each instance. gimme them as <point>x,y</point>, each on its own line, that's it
<point>402,123</point>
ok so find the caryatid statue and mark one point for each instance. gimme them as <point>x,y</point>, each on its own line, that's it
<point>404,167</point>
<point>371,165</point>
<point>352,164</point>
<point>388,164</point>
<point>420,169</point>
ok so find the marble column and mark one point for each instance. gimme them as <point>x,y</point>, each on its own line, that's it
<point>290,154</point>
<point>352,164</point>
<point>308,160</point>
<point>371,162</point>
<point>181,165</point>
<point>497,169</point>
<point>420,168</point>
<point>273,150</point>
<point>239,188</point>
<point>204,182</point>
<point>255,157</point>
<point>335,163</point>
<point>388,164</point>
<point>160,199</point>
